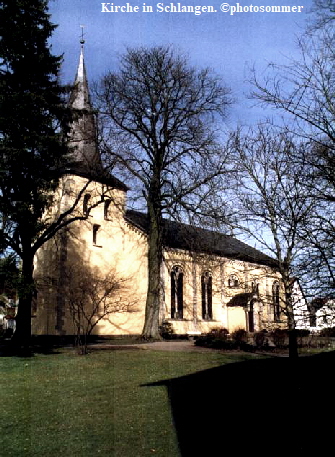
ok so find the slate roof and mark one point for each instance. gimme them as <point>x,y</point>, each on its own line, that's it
<point>182,236</point>
<point>85,160</point>
<point>97,174</point>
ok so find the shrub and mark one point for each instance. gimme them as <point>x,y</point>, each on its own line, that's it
<point>328,332</point>
<point>166,331</point>
<point>302,332</point>
<point>204,340</point>
<point>221,333</point>
<point>260,339</point>
<point>216,339</point>
<point>246,347</point>
<point>240,336</point>
<point>227,345</point>
<point>215,343</point>
<point>279,337</point>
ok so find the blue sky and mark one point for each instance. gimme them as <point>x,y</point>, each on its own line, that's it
<point>230,44</point>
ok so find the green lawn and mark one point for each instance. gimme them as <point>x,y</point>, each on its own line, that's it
<point>67,405</point>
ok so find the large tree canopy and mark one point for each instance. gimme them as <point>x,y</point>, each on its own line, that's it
<point>32,113</point>
<point>158,118</point>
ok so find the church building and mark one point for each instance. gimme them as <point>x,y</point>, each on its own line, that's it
<point>97,268</point>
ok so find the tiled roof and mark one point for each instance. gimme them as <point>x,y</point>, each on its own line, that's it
<point>187,237</point>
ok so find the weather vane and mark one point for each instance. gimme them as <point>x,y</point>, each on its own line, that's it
<point>82,41</point>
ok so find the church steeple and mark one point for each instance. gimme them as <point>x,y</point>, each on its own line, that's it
<point>80,97</point>
<point>84,158</point>
<point>83,138</point>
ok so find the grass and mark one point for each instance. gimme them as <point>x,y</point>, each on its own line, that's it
<point>67,405</point>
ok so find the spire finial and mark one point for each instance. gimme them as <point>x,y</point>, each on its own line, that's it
<point>82,41</point>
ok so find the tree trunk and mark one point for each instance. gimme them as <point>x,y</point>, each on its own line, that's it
<point>293,344</point>
<point>155,257</point>
<point>292,336</point>
<point>22,337</point>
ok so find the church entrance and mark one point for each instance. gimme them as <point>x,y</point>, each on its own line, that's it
<point>250,317</point>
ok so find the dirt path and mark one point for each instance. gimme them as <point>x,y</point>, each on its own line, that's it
<point>170,346</point>
<point>181,346</point>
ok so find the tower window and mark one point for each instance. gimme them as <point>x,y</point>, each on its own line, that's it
<point>86,204</point>
<point>106,209</point>
<point>69,186</point>
<point>96,228</point>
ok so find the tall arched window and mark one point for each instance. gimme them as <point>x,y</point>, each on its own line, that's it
<point>206,295</point>
<point>106,208</point>
<point>276,301</point>
<point>177,277</point>
<point>255,287</point>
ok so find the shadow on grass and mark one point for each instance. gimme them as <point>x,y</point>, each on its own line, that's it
<point>8,350</point>
<point>269,406</point>
<point>50,345</point>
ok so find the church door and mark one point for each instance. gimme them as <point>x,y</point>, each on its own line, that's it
<point>251,323</point>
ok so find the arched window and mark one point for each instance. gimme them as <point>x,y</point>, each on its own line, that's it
<point>86,204</point>
<point>69,186</point>
<point>276,301</point>
<point>106,208</point>
<point>255,287</point>
<point>177,277</point>
<point>233,281</point>
<point>206,295</point>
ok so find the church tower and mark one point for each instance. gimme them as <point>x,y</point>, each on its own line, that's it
<point>95,200</point>
<point>83,138</point>
<point>85,159</point>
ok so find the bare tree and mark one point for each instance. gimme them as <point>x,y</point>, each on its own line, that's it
<point>92,298</point>
<point>303,90</point>
<point>323,14</point>
<point>158,115</point>
<point>317,262</point>
<point>272,205</point>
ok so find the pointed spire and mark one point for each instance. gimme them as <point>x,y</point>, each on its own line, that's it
<point>84,158</point>
<point>80,97</point>
<point>83,137</point>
